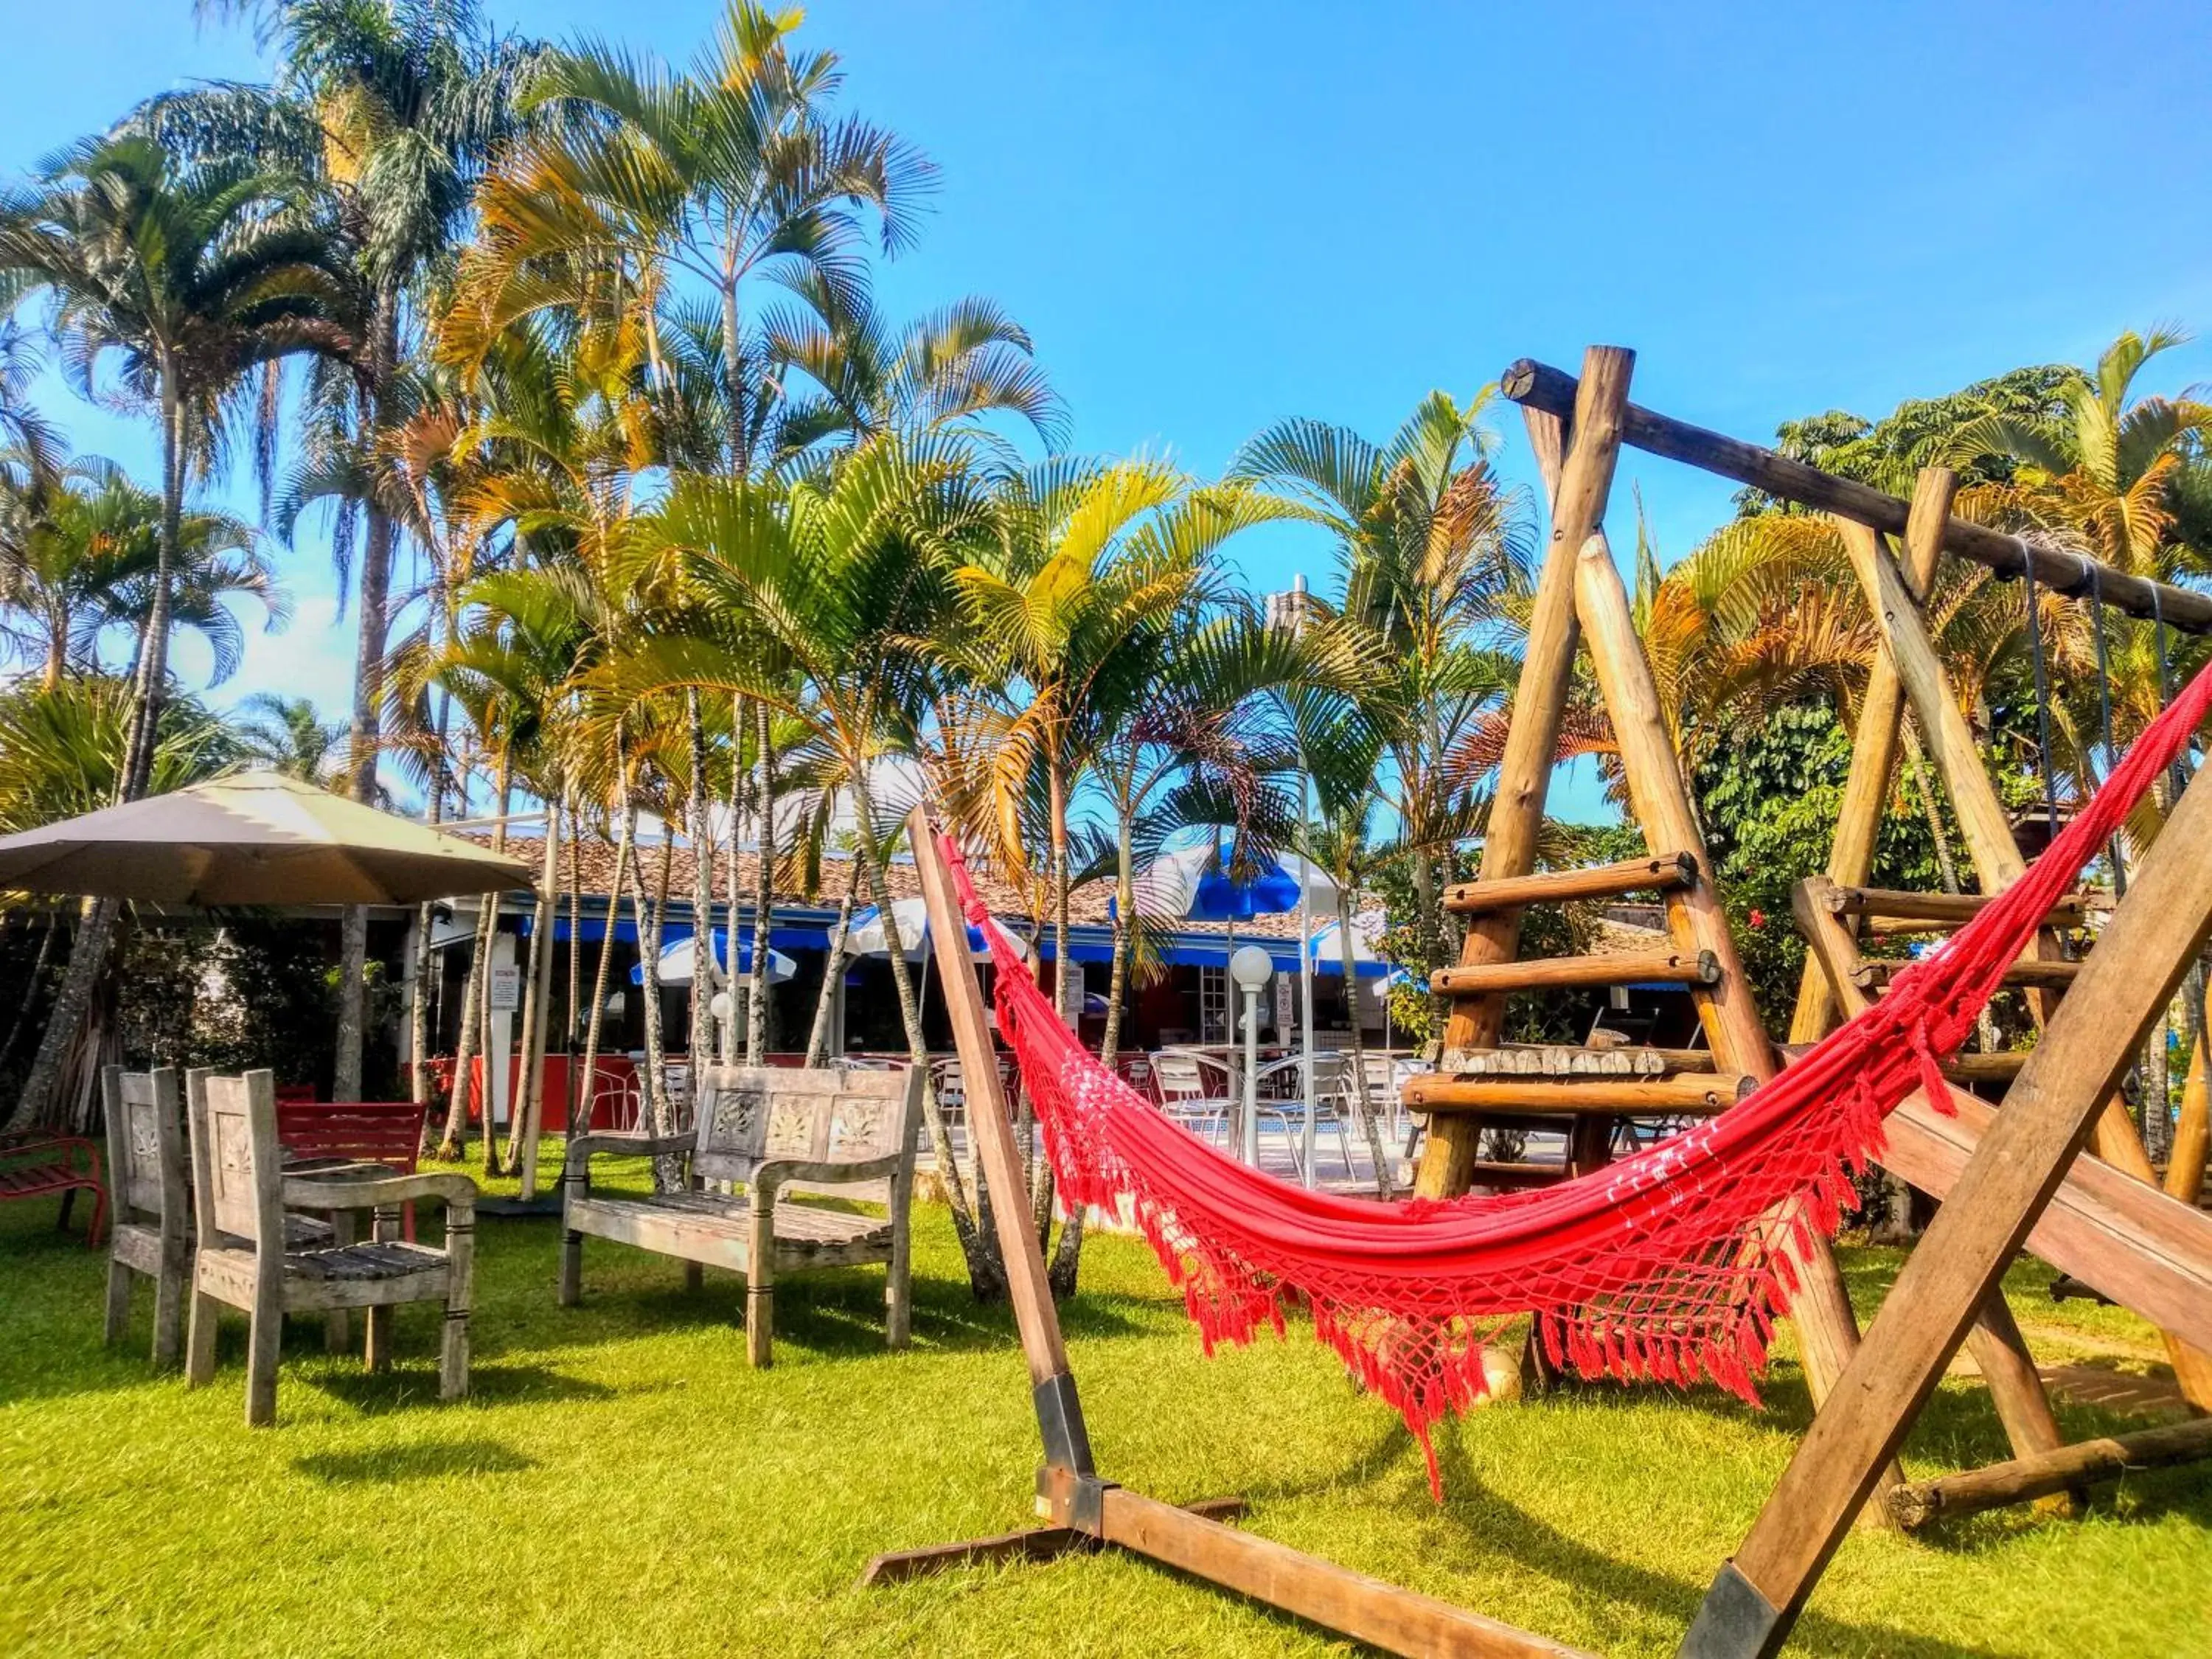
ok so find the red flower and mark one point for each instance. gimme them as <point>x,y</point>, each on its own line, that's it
<point>1758,917</point>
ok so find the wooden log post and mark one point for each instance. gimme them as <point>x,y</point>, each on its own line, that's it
<point>1874,747</point>
<point>2000,1351</point>
<point>2092,1039</point>
<point>1059,1414</point>
<point>1918,1503</point>
<point>1661,799</point>
<point>1070,1495</point>
<point>1517,809</point>
<point>1996,857</point>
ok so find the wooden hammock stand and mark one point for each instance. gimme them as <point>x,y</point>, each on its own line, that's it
<point>2004,1176</point>
<point>2007,1178</point>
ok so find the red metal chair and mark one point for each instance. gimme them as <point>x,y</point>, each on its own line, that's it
<point>387,1131</point>
<point>34,1164</point>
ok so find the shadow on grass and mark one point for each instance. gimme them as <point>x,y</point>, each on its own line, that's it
<point>1504,1528</point>
<point>835,1313</point>
<point>412,1387</point>
<point>435,1460</point>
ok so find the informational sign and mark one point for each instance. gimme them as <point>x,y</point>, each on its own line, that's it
<point>506,989</point>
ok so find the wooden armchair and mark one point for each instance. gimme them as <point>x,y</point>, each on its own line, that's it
<point>151,1232</point>
<point>239,1194</point>
<point>760,1129</point>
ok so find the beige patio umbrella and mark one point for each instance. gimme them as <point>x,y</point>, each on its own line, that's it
<point>253,838</point>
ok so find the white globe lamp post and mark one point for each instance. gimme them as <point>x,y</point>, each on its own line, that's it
<point>1251,968</point>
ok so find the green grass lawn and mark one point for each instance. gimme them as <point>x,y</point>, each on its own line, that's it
<point>619,1482</point>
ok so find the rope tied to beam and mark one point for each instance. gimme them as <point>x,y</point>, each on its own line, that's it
<point>1671,1264</point>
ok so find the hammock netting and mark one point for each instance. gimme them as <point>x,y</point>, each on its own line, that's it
<point>1672,1264</point>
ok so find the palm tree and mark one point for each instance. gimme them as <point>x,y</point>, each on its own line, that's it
<point>831,586</point>
<point>194,276</point>
<point>725,177</point>
<point>1432,560</point>
<point>84,564</point>
<point>2112,467</point>
<point>394,108</point>
<point>289,735</point>
<point>948,369</point>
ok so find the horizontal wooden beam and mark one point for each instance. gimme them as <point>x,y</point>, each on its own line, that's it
<point>1495,1173</point>
<point>1568,973</point>
<point>1538,386</point>
<point>1899,910</point>
<point>1400,1621</point>
<point>1916,1503</point>
<point>2147,1252</point>
<point>1643,875</point>
<point>2052,975</point>
<point>1638,1096</point>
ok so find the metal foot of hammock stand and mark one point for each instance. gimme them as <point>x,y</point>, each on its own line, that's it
<point>1086,1511</point>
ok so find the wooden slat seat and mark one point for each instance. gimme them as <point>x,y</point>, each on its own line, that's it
<point>758,1129</point>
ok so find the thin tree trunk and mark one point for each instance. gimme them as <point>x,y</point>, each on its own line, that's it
<point>705,971</point>
<point>491,1159</point>
<point>659,1116</point>
<point>537,1000</point>
<point>757,1030</point>
<point>733,883</point>
<point>452,1141</point>
<point>1373,1130</point>
<point>587,1088</point>
<point>833,970</point>
<point>365,733</point>
<point>418,1011</point>
<point>31,985</point>
<point>575,962</point>
<point>474,989</point>
<point>95,930</point>
<point>1067,991</point>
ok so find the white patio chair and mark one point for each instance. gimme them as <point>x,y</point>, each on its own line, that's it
<point>1195,1090</point>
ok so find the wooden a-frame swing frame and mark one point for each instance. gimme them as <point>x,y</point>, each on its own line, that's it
<point>1874,1390</point>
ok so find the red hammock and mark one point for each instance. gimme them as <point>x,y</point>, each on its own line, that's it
<point>1670,1264</point>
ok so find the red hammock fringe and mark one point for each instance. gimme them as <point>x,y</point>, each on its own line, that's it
<point>1672,1264</point>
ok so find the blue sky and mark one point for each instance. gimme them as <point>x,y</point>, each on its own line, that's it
<point>1213,216</point>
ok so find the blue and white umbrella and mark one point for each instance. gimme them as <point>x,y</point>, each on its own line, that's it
<point>1191,883</point>
<point>676,961</point>
<point>865,936</point>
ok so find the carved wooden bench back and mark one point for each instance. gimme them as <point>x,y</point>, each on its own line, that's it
<point>238,1180</point>
<point>750,1115</point>
<point>145,1144</point>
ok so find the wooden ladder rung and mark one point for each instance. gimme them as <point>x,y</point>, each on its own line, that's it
<point>2042,975</point>
<point>1712,1091</point>
<point>1554,973</point>
<point>1900,911</point>
<point>1469,898</point>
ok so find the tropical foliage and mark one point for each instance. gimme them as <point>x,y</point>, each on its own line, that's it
<point>652,515</point>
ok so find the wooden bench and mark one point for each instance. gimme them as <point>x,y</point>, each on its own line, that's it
<point>239,1193</point>
<point>38,1165</point>
<point>760,1128</point>
<point>387,1131</point>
